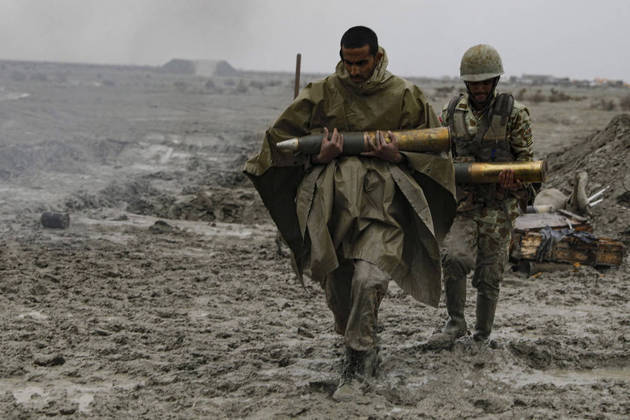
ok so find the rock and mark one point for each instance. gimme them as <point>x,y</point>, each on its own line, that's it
<point>160,226</point>
<point>55,220</point>
<point>50,361</point>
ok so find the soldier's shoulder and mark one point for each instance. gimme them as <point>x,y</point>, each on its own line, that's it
<point>324,82</point>
<point>394,79</point>
<point>458,102</point>
<point>519,109</point>
<point>397,82</point>
<point>519,105</point>
<point>318,89</point>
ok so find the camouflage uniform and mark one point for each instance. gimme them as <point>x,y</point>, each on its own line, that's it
<point>480,236</point>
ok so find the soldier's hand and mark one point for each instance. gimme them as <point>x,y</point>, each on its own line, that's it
<point>329,149</point>
<point>507,181</point>
<point>383,150</point>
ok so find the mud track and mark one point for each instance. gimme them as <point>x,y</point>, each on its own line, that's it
<point>167,298</point>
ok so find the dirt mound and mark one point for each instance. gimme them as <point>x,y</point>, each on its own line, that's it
<point>137,196</point>
<point>230,205</point>
<point>16,160</point>
<point>56,156</point>
<point>605,156</point>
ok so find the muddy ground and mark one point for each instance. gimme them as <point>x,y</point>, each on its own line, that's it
<point>166,297</point>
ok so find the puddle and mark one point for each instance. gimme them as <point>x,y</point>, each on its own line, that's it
<point>195,140</point>
<point>562,377</point>
<point>591,376</point>
<point>34,315</point>
<point>507,334</point>
<point>13,96</point>
<point>198,313</point>
<point>202,140</point>
<point>302,370</point>
<point>41,393</point>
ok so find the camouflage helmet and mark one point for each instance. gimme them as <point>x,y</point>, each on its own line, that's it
<point>481,62</point>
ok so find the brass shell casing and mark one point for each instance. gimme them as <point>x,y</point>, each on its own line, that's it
<point>420,140</point>
<point>488,172</point>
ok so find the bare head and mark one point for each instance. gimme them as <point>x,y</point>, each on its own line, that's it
<point>359,53</point>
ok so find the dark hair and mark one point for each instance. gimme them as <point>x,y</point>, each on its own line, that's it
<point>359,36</point>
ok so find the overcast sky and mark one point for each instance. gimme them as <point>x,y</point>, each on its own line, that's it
<point>577,38</point>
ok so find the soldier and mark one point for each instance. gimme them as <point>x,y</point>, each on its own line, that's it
<point>355,222</point>
<point>486,127</point>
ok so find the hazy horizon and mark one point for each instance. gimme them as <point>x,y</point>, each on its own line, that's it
<point>579,39</point>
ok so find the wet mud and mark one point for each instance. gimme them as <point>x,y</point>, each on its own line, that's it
<point>166,297</point>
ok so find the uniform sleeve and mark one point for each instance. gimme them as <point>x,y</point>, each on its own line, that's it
<point>295,121</point>
<point>520,134</point>
<point>443,116</point>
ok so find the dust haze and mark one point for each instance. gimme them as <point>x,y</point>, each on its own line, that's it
<point>580,39</point>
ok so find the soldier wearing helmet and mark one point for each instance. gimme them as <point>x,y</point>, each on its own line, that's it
<point>486,126</point>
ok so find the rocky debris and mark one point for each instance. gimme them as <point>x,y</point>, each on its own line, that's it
<point>605,157</point>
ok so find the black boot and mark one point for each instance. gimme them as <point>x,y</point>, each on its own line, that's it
<point>486,308</point>
<point>455,291</point>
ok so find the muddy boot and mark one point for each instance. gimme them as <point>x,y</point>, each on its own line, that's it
<point>349,382</point>
<point>455,291</point>
<point>485,318</point>
<point>357,366</point>
<point>370,364</point>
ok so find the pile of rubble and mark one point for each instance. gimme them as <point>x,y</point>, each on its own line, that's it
<point>582,215</point>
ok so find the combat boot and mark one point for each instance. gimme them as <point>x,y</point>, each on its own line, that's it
<point>357,366</point>
<point>371,360</point>
<point>455,291</point>
<point>485,310</point>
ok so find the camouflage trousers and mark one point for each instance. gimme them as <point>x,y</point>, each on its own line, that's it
<point>354,292</point>
<point>479,239</point>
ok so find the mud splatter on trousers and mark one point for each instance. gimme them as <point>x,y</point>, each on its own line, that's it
<point>354,293</point>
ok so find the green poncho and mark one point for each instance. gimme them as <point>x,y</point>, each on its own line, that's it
<point>358,207</point>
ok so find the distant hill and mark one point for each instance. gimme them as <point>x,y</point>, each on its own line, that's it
<point>206,68</point>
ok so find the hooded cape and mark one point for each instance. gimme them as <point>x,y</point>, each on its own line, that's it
<point>419,203</point>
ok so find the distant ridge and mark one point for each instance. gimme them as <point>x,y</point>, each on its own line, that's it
<point>206,68</point>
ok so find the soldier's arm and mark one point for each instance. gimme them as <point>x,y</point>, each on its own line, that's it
<point>520,134</point>
<point>443,116</point>
<point>296,120</point>
<point>521,144</point>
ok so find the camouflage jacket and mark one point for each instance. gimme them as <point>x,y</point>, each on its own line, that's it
<point>520,144</point>
<point>519,132</point>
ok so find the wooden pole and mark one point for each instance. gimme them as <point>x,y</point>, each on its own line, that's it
<point>298,64</point>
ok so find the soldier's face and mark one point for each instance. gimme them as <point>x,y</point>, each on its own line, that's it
<point>480,90</point>
<point>359,63</point>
